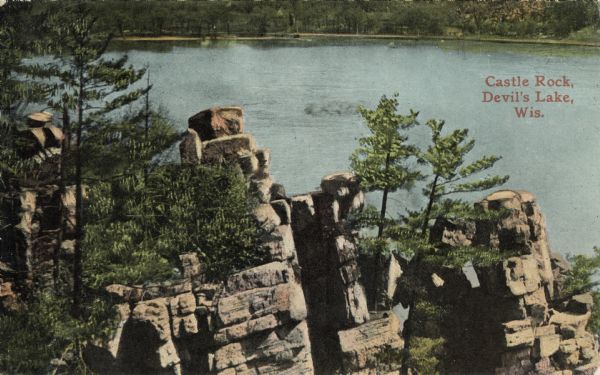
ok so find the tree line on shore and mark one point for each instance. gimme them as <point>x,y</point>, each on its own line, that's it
<point>257,18</point>
<point>141,216</point>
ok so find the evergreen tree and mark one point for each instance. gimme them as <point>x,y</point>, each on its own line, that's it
<point>16,92</point>
<point>381,164</point>
<point>89,87</point>
<point>445,157</point>
<point>582,278</point>
<point>381,158</point>
<point>138,226</point>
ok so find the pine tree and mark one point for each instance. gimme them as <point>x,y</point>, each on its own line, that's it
<point>89,88</point>
<point>380,160</point>
<point>445,157</point>
<point>17,41</point>
<point>381,164</point>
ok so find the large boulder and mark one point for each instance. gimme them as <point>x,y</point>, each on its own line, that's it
<point>227,149</point>
<point>217,122</point>
<point>361,346</point>
<point>190,148</point>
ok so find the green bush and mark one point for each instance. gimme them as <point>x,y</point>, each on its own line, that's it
<point>137,230</point>
<point>582,278</point>
<point>45,330</point>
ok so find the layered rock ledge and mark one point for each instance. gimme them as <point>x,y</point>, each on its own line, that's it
<point>516,321</point>
<point>305,310</point>
<point>282,317</point>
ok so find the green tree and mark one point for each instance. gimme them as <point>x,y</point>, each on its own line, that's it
<point>17,41</point>
<point>38,338</point>
<point>380,161</point>
<point>17,19</point>
<point>89,87</point>
<point>137,230</point>
<point>582,278</point>
<point>381,158</point>
<point>449,174</point>
<point>446,158</point>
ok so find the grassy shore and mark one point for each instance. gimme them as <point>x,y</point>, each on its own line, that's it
<point>474,38</point>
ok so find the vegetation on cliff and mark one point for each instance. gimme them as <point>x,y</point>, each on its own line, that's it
<point>137,230</point>
<point>132,217</point>
<point>138,216</point>
<point>386,162</point>
<point>582,278</point>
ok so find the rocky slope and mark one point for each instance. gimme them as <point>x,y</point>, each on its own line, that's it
<point>305,310</point>
<point>515,322</point>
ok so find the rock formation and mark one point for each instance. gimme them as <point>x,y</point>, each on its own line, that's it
<point>328,255</point>
<point>217,122</point>
<point>515,322</point>
<point>257,321</point>
<point>35,243</point>
<point>305,310</point>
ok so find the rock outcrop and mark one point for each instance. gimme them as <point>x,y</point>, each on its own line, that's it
<point>217,122</point>
<point>328,254</point>
<point>363,346</point>
<point>259,321</point>
<point>305,310</point>
<point>515,322</point>
<point>36,243</point>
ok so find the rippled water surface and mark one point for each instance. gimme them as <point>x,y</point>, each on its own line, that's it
<point>300,99</point>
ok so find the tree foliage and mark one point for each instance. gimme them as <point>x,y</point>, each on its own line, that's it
<point>382,162</point>
<point>86,87</point>
<point>41,337</point>
<point>137,230</point>
<point>212,18</point>
<point>583,278</point>
<point>381,158</point>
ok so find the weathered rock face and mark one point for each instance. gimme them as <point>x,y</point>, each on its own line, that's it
<point>305,310</point>
<point>41,139</point>
<point>362,345</point>
<point>36,244</point>
<point>328,255</point>
<point>190,148</point>
<point>259,321</point>
<point>217,122</point>
<point>254,322</point>
<point>513,322</point>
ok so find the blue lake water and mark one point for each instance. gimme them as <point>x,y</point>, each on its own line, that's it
<point>300,100</point>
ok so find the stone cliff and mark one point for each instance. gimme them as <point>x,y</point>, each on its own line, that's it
<point>515,321</point>
<point>305,310</point>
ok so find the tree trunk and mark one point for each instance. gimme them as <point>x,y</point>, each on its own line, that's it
<point>382,212</point>
<point>77,266</point>
<point>429,206</point>
<point>379,261</point>
<point>384,199</point>
<point>415,265</point>
<point>407,335</point>
<point>146,126</point>
<point>61,192</point>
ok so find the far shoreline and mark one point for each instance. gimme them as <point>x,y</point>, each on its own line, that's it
<point>301,36</point>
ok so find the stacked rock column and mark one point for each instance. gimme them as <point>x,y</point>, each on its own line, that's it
<point>327,254</point>
<point>513,323</point>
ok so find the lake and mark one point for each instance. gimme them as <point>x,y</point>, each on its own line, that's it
<point>300,99</point>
